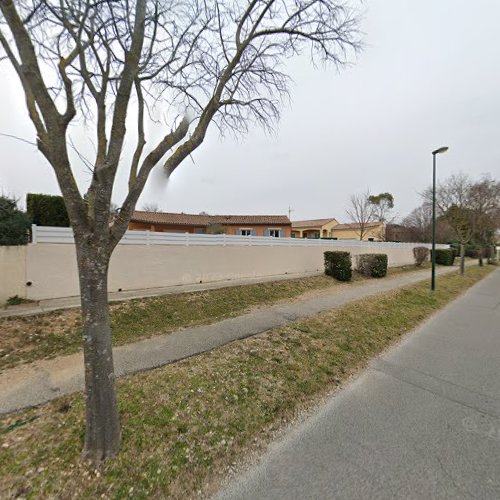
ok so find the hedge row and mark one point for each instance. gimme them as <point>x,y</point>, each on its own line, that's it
<point>47,210</point>
<point>445,257</point>
<point>372,264</point>
<point>339,265</point>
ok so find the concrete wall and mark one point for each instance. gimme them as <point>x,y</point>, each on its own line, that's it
<point>51,268</point>
<point>12,272</point>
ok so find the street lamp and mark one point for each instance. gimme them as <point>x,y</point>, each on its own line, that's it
<point>433,272</point>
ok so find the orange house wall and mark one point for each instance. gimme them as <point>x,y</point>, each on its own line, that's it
<point>140,226</point>
<point>260,229</point>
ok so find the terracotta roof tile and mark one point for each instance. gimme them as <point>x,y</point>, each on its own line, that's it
<point>206,220</point>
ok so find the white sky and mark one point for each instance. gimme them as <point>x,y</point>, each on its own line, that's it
<point>429,76</point>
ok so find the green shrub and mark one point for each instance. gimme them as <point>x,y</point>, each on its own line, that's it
<point>421,254</point>
<point>47,210</point>
<point>445,257</point>
<point>372,264</point>
<point>14,224</point>
<point>15,300</point>
<point>338,265</point>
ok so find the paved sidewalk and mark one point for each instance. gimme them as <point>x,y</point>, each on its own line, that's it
<point>46,305</point>
<point>42,381</point>
<point>423,422</point>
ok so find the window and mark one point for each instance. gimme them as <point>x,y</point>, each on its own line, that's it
<point>275,233</point>
<point>246,232</point>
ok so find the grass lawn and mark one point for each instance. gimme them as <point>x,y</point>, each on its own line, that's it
<point>30,338</point>
<point>185,424</point>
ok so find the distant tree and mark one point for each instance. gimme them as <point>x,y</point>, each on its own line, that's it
<point>484,204</point>
<point>471,208</point>
<point>418,226</point>
<point>452,203</point>
<point>361,212</point>
<point>47,210</point>
<point>14,224</point>
<point>151,207</point>
<point>382,203</point>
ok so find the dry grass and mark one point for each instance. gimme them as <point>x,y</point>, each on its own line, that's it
<point>26,339</point>
<point>185,424</point>
<point>31,338</point>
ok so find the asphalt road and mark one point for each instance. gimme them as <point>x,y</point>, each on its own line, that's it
<point>422,422</point>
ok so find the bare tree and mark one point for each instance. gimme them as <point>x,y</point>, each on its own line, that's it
<point>453,203</point>
<point>107,62</point>
<point>361,212</point>
<point>484,204</point>
<point>151,207</point>
<point>418,226</point>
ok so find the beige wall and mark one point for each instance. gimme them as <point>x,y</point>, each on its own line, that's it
<point>52,267</point>
<point>12,272</point>
<point>351,234</point>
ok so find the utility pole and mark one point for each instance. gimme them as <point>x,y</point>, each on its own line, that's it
<point>290,210</point>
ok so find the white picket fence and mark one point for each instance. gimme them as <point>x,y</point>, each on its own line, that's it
<point>45,234</point>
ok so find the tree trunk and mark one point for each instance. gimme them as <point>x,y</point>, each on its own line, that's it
<point>102,437</point>
<point>462,259</point>
<point>480,255</point>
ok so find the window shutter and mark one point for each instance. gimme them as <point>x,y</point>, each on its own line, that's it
<point>267,232</point>
<point>254,232</point>
<point>282,233</point>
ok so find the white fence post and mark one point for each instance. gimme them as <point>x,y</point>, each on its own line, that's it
<point>187,239</point>
<point>148,238</point>
<point>33,234</point>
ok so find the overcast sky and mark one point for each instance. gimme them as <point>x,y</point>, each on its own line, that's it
<point>429,76</point>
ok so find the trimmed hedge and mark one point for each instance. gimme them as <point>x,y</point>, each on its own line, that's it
<point>338,265</point>
<point>47,210</point>
<point>445,257</point>
<point>372,264</point>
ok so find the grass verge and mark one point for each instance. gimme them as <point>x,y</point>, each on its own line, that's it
<point>185,424</point>
<point>31,338</point>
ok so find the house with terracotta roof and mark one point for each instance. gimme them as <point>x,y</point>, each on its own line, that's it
<point>330,228</point>
<point>278,226</point>
<point>313,228</point>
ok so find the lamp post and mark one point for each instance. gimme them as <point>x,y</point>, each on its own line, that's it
<point>433,272</point>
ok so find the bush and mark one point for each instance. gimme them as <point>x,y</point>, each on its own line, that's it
<point>15,300</point>
<point>493,261</point>
<point>14,224</point>
<point>445,257</point>
<point>47,210</point>
<point>338,265</point>
<point>372,264</point>
<point>421,255</point>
